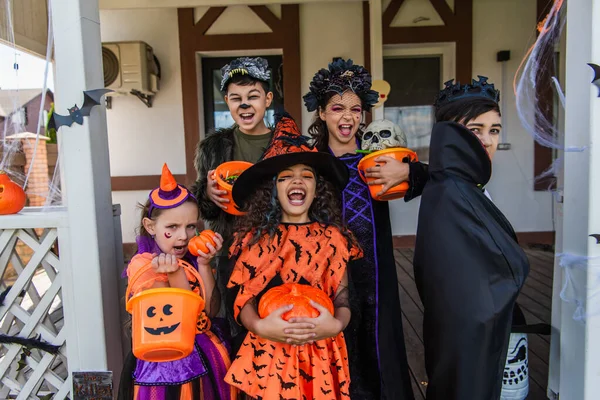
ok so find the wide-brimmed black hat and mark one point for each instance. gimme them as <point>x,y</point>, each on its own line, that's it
<point>288,147</point>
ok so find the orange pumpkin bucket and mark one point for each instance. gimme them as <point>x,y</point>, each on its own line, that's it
<point>396,192</point>
<point>225,175</point>
<point>163,319</point>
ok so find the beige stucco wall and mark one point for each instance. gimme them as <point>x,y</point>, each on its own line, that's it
<point>141,139</point>
<point>323,37</point>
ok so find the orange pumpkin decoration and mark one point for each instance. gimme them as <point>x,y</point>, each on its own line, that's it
<point>198,243</point>
<point>296,294</point>
<point>12,196</point>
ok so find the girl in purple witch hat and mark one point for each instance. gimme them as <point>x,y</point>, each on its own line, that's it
<point>168,222</point>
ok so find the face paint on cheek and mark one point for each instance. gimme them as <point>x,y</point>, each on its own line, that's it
<point>168,235</point>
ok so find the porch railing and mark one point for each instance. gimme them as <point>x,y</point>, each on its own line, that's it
<point>40,304</point>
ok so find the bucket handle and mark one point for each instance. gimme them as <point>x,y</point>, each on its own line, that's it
<point>148,266</point>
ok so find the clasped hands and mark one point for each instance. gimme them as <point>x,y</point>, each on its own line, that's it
<point>298,331</point>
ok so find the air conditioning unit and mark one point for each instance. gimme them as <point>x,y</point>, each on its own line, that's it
<point>130,68</point>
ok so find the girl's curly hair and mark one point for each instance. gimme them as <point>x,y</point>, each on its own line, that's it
<point>264,211</point>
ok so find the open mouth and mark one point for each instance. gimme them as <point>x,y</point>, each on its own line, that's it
<point>178,250</point>
<point>247,117</point>
<point>296,197</point>
<point>165,330</point>
<point>345,129</point>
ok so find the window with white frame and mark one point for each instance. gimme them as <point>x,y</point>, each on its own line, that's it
<point>416,74</point>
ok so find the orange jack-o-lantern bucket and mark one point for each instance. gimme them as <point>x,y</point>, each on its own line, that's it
<point>163,319</point>
<point>396,192</point>
<point>225,175</point>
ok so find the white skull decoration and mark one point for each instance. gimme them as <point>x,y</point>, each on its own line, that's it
<point>383,134</point>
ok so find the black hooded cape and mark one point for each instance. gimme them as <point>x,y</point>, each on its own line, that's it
<point>469,270</point>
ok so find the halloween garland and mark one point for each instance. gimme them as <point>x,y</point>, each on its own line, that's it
<point>27,343</point>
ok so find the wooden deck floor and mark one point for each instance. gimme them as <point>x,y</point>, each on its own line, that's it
<point>535,300</point>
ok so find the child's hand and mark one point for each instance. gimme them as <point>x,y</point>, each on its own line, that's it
<point>213,192</point>
<point>165,264</point>
<point>390,173</point>
<point>275,328</point>
<point>204,258</point>
<point>325,325</point>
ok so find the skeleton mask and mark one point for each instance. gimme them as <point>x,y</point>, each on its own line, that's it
<point>383,134</point>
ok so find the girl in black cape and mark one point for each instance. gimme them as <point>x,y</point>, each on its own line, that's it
<point>469,267</point>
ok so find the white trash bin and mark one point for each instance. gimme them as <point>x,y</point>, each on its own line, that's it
<point>515,381</point>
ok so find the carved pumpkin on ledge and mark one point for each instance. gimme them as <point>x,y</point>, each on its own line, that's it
<point>297,295</point>
<point>12,196</point>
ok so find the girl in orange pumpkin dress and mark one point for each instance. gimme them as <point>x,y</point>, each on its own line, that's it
<point>292,233</point>
<point>168,223</point>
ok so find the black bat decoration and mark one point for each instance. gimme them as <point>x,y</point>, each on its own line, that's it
<point>91,98</point>
<point>251,268</point>
<point>309,257</point>
<point>261,387</point>
<point>298,250</point>
<point>285,385</point>
<point>596,236</point>
<point>295,274</point>
<point>306,376</point>
<point>596,79</point>
<point>260,251</point>
<point>279,234</point>
<point>247,372</point>
<point>285,353</point>
<point>258,367</point>
<point>318,248</point>
<point>325,391</point>
<point>235,380</point>
<point>258,352</point>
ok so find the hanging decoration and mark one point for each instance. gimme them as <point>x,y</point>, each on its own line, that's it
<point>596,79</point>
<point>574,291</point>
<point>27,343</point>
<point>76,114</point>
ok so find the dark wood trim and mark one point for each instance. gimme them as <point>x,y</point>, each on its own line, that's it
<point>458,28</point>
<point>207,20</point>
<point>193,39</point>
<point>246,41</point>
<point>267,17</point>
<point>292,98</point>
<point>367,35</point>
<point>525,239</point>
<point>138,182</point>
<point>463,26</point>
<point>444,11</point>
<point>428,34</point>
<point>367,47</point>
<point>189,86</point>
<point>542,156</point>
<point>390,12</point>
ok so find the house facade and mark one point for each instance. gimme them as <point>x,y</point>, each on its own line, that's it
<point>416,45</point>
<point>21,108</point>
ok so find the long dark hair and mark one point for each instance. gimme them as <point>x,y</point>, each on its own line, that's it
<point>465,110</point>
<point>264,211</point>
<point>318,129</point>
